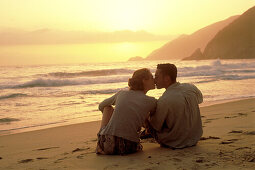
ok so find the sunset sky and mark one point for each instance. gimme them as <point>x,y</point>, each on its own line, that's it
<point>80,31</point>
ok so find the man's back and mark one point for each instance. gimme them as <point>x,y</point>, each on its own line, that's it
<point>177,119</point>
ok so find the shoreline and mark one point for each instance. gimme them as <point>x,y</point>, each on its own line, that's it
<point>227,143</point>
<point>40,127</point>
<point>211,103</point>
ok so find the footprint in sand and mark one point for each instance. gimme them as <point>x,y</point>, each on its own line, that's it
<point>200,160</point>
<point>60,159</point>
<point>26,161</point>
<point>78,149</point>
<point>229,141</point>
<point>249,156</point>
<point>242,114</point>
<point>243,148</point>
<point>236,131</point>
<point>250,133</point>
<point>226,142</point>
<point>41,158</point>
<point>238,115</point>
<point>251,160</point>
<point>207,121</point>
<point>210,137</point>
<point>227,117</point>
<point>213,119</point>
<point>210,120</point>
<point>80,156</point>
<point>43,149</point>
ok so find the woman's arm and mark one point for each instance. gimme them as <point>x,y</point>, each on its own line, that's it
<point>108,102</point>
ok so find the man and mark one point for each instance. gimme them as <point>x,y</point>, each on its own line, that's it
<point>177,121</point>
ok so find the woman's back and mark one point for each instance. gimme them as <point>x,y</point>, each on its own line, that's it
<point>120,125</point>
<point>131,110</point>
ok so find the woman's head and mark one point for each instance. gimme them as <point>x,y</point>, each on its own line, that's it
<point>142,80</point>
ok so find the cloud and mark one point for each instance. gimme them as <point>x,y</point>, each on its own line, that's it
<point>48,36</point>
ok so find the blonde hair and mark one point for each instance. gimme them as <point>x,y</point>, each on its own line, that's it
<point>136,82</point>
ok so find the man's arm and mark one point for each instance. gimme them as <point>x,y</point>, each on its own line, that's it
<point>157,119</point>
<point>152,112</point>
<point>191,89</point>
<point>198,94</point>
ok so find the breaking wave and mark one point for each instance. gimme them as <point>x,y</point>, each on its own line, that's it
<point>204,73</point>
<point>105,91</point>
<point>236,71</point>
<point>66,82</point>
<point>8,120</point>
<point>14,95</point>
<point>93,73</point>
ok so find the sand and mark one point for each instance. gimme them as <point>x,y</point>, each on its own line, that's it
<point>228,142</point>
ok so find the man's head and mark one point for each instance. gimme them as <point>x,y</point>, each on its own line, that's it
<point>165,75</point>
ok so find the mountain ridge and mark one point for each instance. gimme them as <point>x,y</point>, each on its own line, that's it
<point>235,41</point>
<point>184,45</point>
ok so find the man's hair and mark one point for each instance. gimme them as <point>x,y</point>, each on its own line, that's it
<point>136,82</point>
<point>168,69</point>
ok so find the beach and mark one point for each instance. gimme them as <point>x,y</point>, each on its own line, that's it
<point>228,142</point>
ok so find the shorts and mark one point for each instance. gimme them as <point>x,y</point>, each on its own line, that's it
<point>114,145</point>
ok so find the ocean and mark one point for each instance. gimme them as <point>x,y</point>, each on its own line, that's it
<point>43,96</point>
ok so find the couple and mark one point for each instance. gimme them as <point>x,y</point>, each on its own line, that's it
<point>173,120</point>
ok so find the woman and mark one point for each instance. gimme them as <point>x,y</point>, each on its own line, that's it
<point>120,126</point>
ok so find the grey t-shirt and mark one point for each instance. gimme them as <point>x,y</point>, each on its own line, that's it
<point>177,118</point>
<point>131,110</point>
